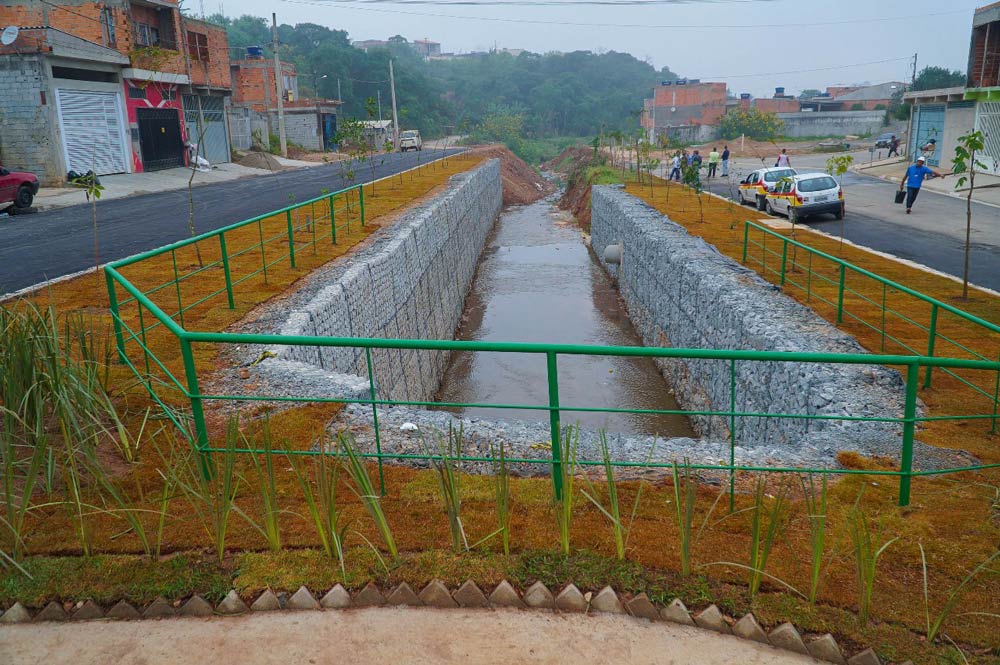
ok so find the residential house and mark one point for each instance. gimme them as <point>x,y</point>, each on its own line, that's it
<point>947,113</point>
<point>309,123</point>
<point>779,103</point>
<point>857,98</point>
<point>426,48</point>
<point>116,87</point>
<point>688,109</point>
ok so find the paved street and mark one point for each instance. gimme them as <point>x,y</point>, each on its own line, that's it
<point>934,234</point>
<point>50,244</point>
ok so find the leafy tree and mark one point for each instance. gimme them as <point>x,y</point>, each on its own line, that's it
<point>755,124</point>
<point>809,93</point>
<point>965,163</point>
<point>931,78</point>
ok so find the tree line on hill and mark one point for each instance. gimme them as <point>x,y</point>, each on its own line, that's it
<point>555,94</point>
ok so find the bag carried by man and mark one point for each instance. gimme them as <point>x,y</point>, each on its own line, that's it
<point>900,195</point>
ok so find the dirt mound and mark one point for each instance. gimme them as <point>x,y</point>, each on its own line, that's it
<point>258,160</point>
<point>570,159</point>
<point>521,183</point>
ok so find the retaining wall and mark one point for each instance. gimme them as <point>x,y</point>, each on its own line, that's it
<point>681,292</point>
<point>833,123</point>
<point>409,284</point>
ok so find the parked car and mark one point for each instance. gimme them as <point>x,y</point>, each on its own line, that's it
<point>802,195</point>
<point>884,140</point>
<point>755,187</point>
<point>17,187</point>
<point>410,140</point>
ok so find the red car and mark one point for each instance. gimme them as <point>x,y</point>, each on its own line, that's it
<point>17,187</point>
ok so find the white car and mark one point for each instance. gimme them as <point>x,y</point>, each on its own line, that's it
<point>755,187</point>
<point>802,195</point>
<point>410,140</point>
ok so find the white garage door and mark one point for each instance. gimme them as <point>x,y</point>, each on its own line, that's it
<point>92,132</point>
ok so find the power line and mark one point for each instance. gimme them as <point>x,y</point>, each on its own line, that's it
<point>803,71</point>
<point>354,5</point>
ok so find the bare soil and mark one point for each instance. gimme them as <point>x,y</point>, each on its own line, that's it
<point>521,183</point>
<point>259,160</point>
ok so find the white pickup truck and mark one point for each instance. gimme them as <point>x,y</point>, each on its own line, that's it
<point>410,140</point>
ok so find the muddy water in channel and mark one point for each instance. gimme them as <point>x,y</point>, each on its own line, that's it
<point>537,282</point>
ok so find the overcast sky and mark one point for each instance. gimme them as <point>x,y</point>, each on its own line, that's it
<point>750,44</point>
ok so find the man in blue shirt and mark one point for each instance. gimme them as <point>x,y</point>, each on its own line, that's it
<point>914,178</point>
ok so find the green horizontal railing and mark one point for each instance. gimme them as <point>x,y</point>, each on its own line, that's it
<point>783,265</point>
<point>175,380</point>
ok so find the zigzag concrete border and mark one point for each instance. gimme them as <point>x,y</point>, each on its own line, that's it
<point>469,595</point>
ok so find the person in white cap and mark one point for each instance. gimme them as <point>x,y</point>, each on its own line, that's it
<point>914,178</point>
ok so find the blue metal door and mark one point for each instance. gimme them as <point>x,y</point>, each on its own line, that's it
<point>928,124</point>
<point>329,131</point>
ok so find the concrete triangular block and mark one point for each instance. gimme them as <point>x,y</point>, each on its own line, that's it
<point>436,594</point>
<point>787,637</point>
<point>866,657</point>
<point>52,612</point>
<point>640,606</point>
<point>370,596</point>
<point>302,600</point>
<point>711,618</point>
<point>505,596</point>
<point>677,612</point>
<point>607,601</point>
<point>825,648</point>
<point>539,596</point>
<point>571,600</point>
<point>749,629</point>
<point>196,606</point>
<point>88,612</point>
<point>266,602</point>
<point>336,598</point>
<point>159,609</point>
<point>122,611</point>
<point>403,595</point>
<point>470,595</point>
<point>232,604</point>
<point>18,613</point>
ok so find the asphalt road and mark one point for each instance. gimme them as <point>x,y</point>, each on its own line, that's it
<point>46,245</point>
<point>933,235</point>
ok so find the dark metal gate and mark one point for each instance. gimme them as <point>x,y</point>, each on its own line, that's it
<point>160,139</point>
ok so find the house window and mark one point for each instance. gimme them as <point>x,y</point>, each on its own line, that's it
<point>135,92</point>
<point>169,94</point>
<point>108,26</point>
<point>198,46</point>
<point>146,35</point>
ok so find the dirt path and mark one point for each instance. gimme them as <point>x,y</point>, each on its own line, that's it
<point>383,635</point>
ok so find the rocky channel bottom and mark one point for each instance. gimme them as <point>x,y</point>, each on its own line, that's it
<point>408,431</point>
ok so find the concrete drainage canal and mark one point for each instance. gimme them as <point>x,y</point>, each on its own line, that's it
<point>456,266</point>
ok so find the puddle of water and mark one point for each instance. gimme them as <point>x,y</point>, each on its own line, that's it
<point>537,282</point>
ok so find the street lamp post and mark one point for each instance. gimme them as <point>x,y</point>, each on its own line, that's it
<point>316,80</point>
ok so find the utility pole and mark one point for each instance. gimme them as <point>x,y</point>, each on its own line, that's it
<point>279,85</point>
<point>913,79</point>
<point>339,98</point>
<point>378,94</point>
<point>395,116</point>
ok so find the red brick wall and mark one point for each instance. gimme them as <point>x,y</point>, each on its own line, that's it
<point>781,105</point>
<point>214,72</point>
<point>253,83</point>
<point>988,76</point>
<point>705,102</point>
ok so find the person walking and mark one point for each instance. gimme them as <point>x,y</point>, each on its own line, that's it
<point>713,162</point>
<point>725,162</point>
<point>914,178</point>
<point>696,159</point>
<point>675,167</point>
<point>783,159</point>
<point>893,146</point>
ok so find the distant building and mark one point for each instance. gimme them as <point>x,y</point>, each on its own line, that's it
<point>859,98</point>
<point>680,108</point>
<point>366,44</point>
<point>425,48</point>
<point>779,103</point>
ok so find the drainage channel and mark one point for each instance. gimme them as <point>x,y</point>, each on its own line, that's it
<point>538,282</point>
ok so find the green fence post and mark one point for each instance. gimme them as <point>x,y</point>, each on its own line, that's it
<point>909,427</point>
<point>732,435</point>
<point>333,223</point>
<point>784,259</point>
<point>263,257</point>
<point>554,426</point>
<point>115,314</point>
<point>809,276</point>
<point>932,334</point>
<point>883,317</point>
<point>378,436</point>
<point>361,202</point>
<point>746,239</point>
<point>291,238</point>
<point>840,294</point>
<point>996,399</point>
<point>197,412</point>
<point>225,270</point>
<point>177,283</point>
<point>763,255</point>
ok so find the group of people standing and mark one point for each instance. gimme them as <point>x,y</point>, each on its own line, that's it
<point>681,158</point>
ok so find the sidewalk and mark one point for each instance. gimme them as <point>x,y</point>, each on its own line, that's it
<point>893,170</point>
<point>131,184</point>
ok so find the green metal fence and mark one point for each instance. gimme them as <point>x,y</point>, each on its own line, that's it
<point>175,380</point>
<point>922,330</point>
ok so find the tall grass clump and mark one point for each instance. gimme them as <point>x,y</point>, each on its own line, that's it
<point>501,492</point>
<point>565,472</point>
<point>685,497</point>
<point>361,485</point>
<point>320,494</point>
<point>765,524</point>
<point>866,554</point>
<point>613,510</point>
<point>447,464</point>
<point>816,514</point>
<point>270,526</point>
